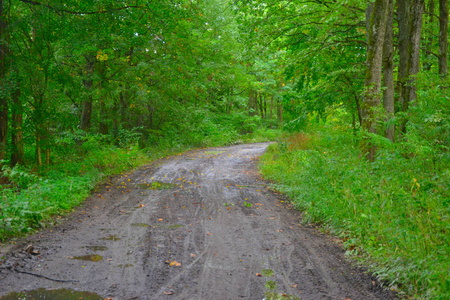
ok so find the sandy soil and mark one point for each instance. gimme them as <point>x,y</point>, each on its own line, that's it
<point>214,231</point>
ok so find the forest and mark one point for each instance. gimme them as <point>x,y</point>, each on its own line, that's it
<point>355,93</point>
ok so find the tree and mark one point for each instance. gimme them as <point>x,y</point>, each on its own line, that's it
<point>4,65</point>
<point>377,23</point>
<point>388,72</point>
<point>443,37</point>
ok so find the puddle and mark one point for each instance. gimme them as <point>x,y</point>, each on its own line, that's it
<point>97,248</point>
<point>52,295</point>
<point>111,237</point>
<point>139,225</point>
<point>157,185</point>
<point>271,285</point>
<point>94,257</point>
<point>267,272</point>
<point>275,296</point>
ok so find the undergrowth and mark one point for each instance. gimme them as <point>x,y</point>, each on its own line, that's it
<point>32,196</point>
<point>393,212</point>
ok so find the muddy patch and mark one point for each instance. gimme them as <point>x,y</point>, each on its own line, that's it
<point>139,225</point>
<point>94,257</point>
<point>62,294</point>
<point>157,185</point>
<point>111,237</point>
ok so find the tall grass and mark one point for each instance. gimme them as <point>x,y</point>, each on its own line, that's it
<point>394,212</point>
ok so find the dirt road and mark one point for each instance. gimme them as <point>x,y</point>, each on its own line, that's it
<point>202,225</point>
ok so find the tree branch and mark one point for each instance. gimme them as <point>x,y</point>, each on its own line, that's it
<point>429,52</point>
<point>80,12</point>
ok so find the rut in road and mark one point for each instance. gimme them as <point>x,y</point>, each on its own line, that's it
<point>202,225</point>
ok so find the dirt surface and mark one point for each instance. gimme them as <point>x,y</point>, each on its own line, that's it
<point>215,231</point>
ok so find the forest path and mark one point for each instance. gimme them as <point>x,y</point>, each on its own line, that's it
<point>208,229</point>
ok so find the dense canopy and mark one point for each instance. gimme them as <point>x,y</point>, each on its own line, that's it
<point>88,88</point>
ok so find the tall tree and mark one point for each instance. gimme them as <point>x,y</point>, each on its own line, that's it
<point>372,84</point>
<point>388,72</point>
<point>443,37</point>
<point>4,65</point>
<point>413,63</point>
<point>403,20</point>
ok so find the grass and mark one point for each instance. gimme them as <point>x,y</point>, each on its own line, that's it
<point>34,197</point>
<point>32,201</point>
<point>394,212</point>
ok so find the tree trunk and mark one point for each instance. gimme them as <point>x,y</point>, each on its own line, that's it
<point>443,41</point>
<point>38,148</point>
<point>410,88</point>
<point>252,102</point>
<point>271,108</point>
<point>372,84</point>
<point>260,105</point>
<point>17,132</point>
<point>103,126</point>
<point>388,72</point>
<point>280,113</point>
<point>86,113</point>
<point>265,106</point>
<point>358,109</point>
<point>4,63</point>
<point>429,40</point>
<point>403,19</point>
<point>47,156</point>
<point>125,120</point>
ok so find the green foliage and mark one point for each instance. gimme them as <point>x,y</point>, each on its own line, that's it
<point>19,176</point>
<point>82,160</point>
<point>34,199</point>
<point>394,211</point>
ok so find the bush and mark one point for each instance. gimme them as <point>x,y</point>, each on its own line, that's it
<point>394,211</point>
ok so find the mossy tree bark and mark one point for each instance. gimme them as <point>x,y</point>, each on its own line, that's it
<point>4,64</point>
<point>413,64</point>
<point>388,72</point>
<point>377,24</point>
<point>86,113</point>
<point>443,37</point>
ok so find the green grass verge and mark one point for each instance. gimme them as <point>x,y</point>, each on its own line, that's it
<point>393,213</point>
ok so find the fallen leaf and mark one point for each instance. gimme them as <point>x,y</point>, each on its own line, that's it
<point>173,263</point>
<point>209,233</point>
<point>142,205</point>
<point>193,255</point>
<point>168,293</point>
<point>279,230</point>
<point>258,275</point>
<point>294,285</point>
